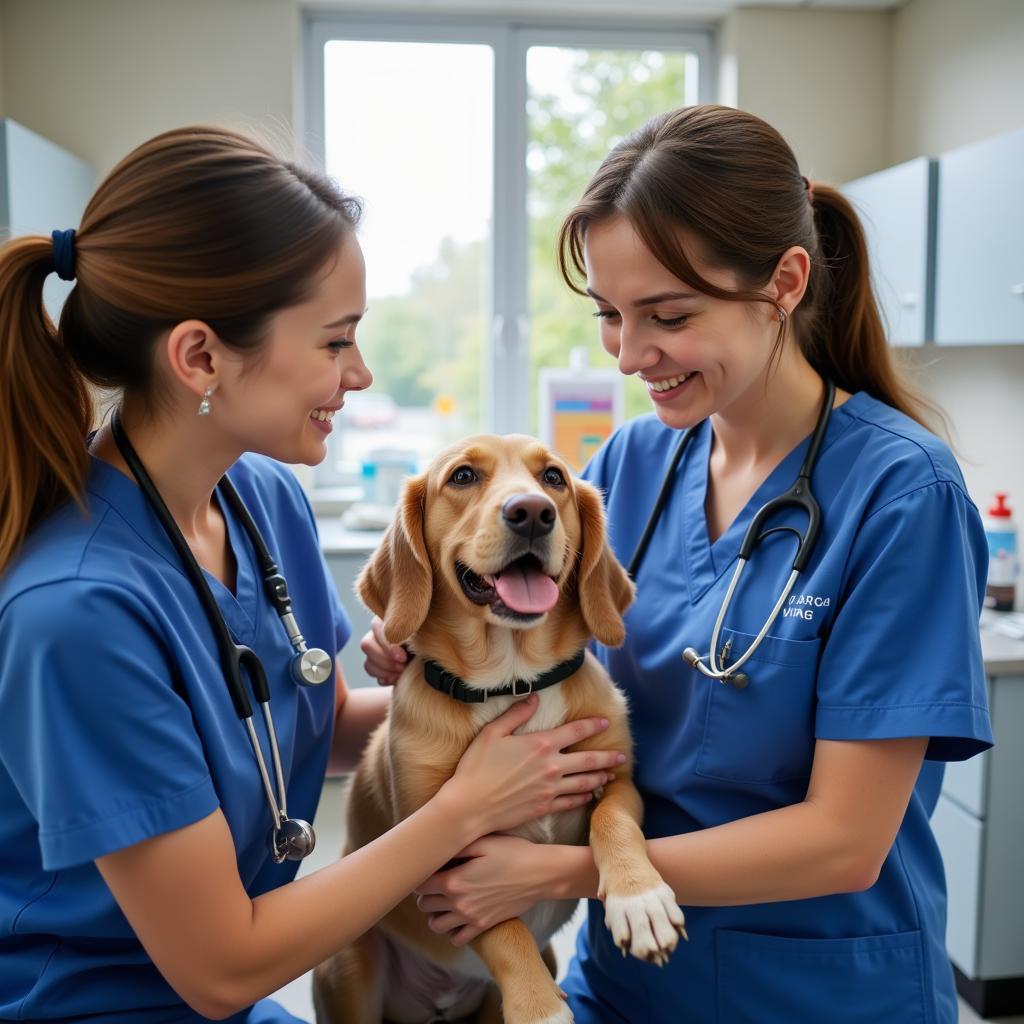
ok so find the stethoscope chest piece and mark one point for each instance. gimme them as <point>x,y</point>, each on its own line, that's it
<point>293,839</point>
<point>312,667</point>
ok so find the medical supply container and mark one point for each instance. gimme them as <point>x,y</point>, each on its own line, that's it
<point>1001,531</point>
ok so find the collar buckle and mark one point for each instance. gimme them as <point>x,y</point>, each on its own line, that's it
<point>527,688</point>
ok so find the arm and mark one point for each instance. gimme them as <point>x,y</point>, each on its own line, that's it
<point>356,714</point>
<point>221,950</point>
<point>835,840</point>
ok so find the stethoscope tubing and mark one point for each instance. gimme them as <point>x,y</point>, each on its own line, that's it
<point>233,657</point>
<point>799,495</point>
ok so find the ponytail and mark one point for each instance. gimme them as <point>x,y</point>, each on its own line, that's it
<point>842,333</point>
<point>45,404</point>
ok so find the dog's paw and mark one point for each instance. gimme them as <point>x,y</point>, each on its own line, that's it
<point>648,924</point>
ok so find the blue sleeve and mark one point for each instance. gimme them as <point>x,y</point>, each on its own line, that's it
<point>904,654</point>
<point>99,745</point>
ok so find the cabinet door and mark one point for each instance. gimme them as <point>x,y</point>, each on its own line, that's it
<point>896,207</point>
<point>979,297</point>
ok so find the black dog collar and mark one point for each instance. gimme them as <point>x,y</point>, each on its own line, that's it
<point>454,687</point>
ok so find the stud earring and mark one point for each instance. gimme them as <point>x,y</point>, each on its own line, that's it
<point>782,314</point>
<point>204,405</point>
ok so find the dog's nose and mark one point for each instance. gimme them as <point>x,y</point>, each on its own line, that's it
<point>529,515</point>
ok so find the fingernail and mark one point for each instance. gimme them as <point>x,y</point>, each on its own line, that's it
<point>621,759</point>
<point>604,723</point>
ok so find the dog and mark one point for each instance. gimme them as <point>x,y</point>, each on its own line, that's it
<point>494,569</point>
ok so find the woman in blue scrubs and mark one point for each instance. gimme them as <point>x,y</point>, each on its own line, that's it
<point>790,816</point>
<point>136,877</point>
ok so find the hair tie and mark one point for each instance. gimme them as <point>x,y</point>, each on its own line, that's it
<point>809,187</point>
<point>64,254</point>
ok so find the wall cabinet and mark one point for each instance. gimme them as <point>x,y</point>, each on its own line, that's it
<point>979,291</point>
<point>897,209</point>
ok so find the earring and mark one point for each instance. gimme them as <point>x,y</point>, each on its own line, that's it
<point>204,405</point>
<point>782,314</point>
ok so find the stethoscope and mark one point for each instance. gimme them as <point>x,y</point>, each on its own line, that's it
<point>292,838</point>
<point>798,496</point>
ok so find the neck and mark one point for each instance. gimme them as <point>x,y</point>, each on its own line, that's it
<point>184,458</point>
<point>774,415</point>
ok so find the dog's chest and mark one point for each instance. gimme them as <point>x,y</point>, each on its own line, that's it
<point>567,826</point>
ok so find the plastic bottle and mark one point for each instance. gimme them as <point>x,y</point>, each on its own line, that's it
<point>1001,531</point>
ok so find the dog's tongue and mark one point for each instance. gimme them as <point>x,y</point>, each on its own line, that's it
<point>524,588</point>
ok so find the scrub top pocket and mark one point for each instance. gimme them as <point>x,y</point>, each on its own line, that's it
<point>768,979</point>
<point>765,732</point>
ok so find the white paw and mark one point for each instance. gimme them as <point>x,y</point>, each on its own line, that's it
<point>648,925</point>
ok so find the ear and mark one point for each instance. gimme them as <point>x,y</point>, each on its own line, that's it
<point>397,582</point>
<point>605,590</point>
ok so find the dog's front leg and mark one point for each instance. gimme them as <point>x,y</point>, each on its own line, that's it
<point>529,994</point>
<point>640,910</point>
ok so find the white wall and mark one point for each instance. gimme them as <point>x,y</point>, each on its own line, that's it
<point>100,77</point>
<point>821,77</point>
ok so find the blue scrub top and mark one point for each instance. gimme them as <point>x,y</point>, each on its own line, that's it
<point>100,635</point>
<point>879,639</point>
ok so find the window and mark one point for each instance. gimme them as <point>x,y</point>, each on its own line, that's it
<point>469,141</point>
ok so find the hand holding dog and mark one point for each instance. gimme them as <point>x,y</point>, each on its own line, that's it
<point>505,780</point>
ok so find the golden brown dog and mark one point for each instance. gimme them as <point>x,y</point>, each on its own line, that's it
<point>495,568</point>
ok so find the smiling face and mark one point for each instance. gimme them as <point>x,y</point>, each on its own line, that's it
<point>281,403</point>
<point>696,354</point>
<point>503,520</point>
<point>497,538</point>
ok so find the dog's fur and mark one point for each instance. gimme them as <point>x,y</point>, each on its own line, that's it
<point>401,971</point>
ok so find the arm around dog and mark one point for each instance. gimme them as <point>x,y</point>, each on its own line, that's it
<point>221,950</point>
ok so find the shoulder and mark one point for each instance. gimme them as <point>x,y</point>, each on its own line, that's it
<point>887,456</point>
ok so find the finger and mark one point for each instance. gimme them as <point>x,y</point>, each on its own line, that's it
<point>592,760</point>
<point>522,711</point>
<point>387,680</point>
<point>433,904</point>
<point>431,887</point>
<point>467,933</point>
<point>444,923</point>
<point>584,782</point>
<point>575,732</point>
<point>571,802</point>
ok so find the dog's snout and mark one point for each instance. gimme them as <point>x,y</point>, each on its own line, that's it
<point>529,515</point>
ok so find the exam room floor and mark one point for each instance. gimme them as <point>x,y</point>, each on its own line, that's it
<point>297,997</point>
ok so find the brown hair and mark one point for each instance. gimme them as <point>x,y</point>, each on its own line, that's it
<point>732,181</point>
<point>198,222</point>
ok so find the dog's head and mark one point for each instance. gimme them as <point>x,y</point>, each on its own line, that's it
<point>497,529</point>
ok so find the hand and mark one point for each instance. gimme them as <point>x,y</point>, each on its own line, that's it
<point>384,661</point>
<point>503,877</point>
<point>504,780</point>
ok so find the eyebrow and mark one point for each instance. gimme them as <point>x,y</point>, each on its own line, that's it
<point>649,300</point>
<point>345,321</point>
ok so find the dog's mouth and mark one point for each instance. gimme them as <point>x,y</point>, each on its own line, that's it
<point>522,590</point>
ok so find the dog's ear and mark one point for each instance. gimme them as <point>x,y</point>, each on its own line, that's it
<point>605,589</point>
<point>397,582</point>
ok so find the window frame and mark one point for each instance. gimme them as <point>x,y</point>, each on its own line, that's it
<point>505,357</point>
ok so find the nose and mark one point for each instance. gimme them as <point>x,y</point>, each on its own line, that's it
<point>529,515</point>
<point>632,350</point>
<point>356,376</point>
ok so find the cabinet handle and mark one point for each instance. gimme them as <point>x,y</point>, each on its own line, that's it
<point>908,300</point>
<point>1017,289</point>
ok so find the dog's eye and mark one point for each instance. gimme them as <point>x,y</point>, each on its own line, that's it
<point>463,475</point>
<point>553,477</point>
